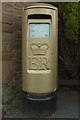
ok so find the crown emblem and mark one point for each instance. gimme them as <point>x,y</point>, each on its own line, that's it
<point>39,49</point>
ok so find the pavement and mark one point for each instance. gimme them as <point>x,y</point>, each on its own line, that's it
<point>67,106</point>
<point>0,99</point>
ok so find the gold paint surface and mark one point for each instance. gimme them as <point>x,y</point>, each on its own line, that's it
<point>39,55</point>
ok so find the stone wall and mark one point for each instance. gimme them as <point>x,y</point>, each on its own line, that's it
<point>11,52</point>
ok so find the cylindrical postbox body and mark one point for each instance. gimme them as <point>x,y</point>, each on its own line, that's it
<point>39,48</point>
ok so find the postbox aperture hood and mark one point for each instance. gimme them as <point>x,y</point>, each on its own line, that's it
<point>39,5</point>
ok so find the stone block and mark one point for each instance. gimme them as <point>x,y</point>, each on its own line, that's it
<point>6,28</point>
<point>8,19</point>
<point>7,8</point>
<point>7,37</point>
<point>18,12</point>
<point>7,69</point>
<point>19,5</point>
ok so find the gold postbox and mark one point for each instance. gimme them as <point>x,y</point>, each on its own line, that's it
<point>39,48</point>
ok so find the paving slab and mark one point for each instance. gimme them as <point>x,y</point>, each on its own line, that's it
<point>67,106</point>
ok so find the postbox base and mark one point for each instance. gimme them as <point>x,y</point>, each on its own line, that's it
<point>36,106</point>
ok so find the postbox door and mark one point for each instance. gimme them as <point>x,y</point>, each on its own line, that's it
<point>39,45</point>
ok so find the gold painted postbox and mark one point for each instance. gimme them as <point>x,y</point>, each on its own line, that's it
<point>39,48</point>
